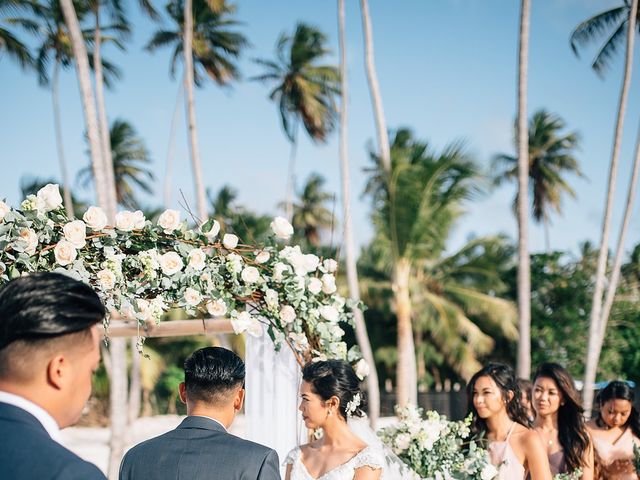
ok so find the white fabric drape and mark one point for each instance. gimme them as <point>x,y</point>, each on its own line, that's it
<point>271,404</point>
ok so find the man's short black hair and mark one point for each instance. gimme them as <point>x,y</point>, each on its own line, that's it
<point>212,373</point>
<point>46,305</point>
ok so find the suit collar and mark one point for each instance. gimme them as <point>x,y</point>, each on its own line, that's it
<point>205,423</point>
<point>14,413</point>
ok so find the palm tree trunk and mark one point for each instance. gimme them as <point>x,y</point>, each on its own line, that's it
<point>374,88</point>
<point>102,116</point>
<point>191,112</point>
<point>288,201</point>
<point>595,319</point>
<point>66,191</point>
<point>406,375</point>
<point>88,101</point>
<point>373,392</point>
<point>524,272</point>
<point>135,387</point>
<point>168,175</point>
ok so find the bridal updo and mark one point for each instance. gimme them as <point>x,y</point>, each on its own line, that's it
<point>336,378</point>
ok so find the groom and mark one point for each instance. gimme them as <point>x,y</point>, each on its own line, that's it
<point>200,447</point>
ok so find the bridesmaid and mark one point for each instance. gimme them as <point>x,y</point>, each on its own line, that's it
<point>616,431</point>
<point>494,403</point>
<point>559,421</point>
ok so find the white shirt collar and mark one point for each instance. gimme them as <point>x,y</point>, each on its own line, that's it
<point>47,421</point>
<point>211,418</point>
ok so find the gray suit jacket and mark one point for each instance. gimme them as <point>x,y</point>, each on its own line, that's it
<point>27,451</point>
<point>199,449</point>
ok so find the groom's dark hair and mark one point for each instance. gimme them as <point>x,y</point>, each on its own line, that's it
<point>211,374</point>
<point>42,312</point>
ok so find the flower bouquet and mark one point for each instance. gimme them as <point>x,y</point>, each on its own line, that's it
<point>575,475</point>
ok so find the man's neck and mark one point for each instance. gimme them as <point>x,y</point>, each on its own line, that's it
<point>221,416</point>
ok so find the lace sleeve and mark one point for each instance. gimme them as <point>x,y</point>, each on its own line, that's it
<point>369,458</point>
<point>291,457</point>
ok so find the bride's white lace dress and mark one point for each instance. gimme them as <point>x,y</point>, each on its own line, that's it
<point>346,471</point>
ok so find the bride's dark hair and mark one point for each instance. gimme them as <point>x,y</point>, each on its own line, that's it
<point>572,433</point>
<point>505,379</point>
<point>335,378</point>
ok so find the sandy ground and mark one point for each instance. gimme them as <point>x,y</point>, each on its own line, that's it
<point>92,444</point>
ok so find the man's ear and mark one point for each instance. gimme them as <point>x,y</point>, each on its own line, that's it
<point>58,371</point>
<point>182,392</point>
<point>239,400</point>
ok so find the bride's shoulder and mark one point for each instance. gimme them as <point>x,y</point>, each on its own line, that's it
<point>369,457</point>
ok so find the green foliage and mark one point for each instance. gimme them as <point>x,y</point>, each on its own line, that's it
<point>310,213</point>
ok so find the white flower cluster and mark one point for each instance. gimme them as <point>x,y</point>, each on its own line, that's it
<point>141,269</point>
<point>436,448</point>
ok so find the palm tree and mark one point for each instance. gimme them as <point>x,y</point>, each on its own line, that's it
<point>310,215</point>
<point>615,23</point>
<point>215,49</point>
<point>131,161</point>
<point>524,269</point>
<point>54,43</point>
<point>551,156</point>
<point>304,90</point>
<point>413,214</point>
<point>373,392</point>
<point>374,89</point>
<point>9,42</point>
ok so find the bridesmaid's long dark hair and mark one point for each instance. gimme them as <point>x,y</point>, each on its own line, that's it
<point>618,390</point>
<point>505,379</point>
<point>572,432</point>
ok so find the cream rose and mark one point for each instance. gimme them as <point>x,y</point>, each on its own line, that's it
<point>315,285</point>
<point>328,283</point>
<point>125,221</point>
<point>330,265</point>
<point>255,328</point>
<point>250,275</point>
<point>241,322</point>
<point>281,228</point>
<point>95,218</point>
<point>329,313</point>
<point>75,233</point>
<point>4,209</point>
<point>287,314</point>
<point>271,298</point>
<point>171,263</point>
<point>362,369</point>
<point>50,197</point>
<point>229,241</point>
<point>234,262</point>
<point>213,232</point>
<point>106,279</point>
<point>169,220</point>
<point>65,252</point>
<point>262,257</point>
<point>217,308</point>
<point>197,259</point>
<point>31,238</point>
<point>138,220</point>
<point>278,270</point>
<point>192,297</point>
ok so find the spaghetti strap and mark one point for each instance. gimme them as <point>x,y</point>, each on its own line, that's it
<point>509,432</point>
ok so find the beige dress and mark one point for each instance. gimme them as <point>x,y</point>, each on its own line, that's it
<point>615,460</point>
<point>503,457</point>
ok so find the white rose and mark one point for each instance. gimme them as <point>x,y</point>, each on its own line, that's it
<point>106,279</point>
<point>489,472</point>
<point>271,298</point>
<point>192,296</point>
<point>328,283</point>
<point>403,441</point>
<point>241,322</point>
<point>255,328</point>
<point>125,221</point>
<point>234,262</point>
<point>138,219</point>
<point>362,369</point>
<point>229,241</point>
<point>75,233</point>
<point>278,269</point>
<point>31,238</point>
<point>217,308</point>
<point>281,228</point>
<point>213,232</point>
<point>315,285</point>
<point>65,252</point>
<point>197,259</point>
<point>170,263</point>
<point>250,275</point>
<point>50,196</point>
<point>330,265</point>
<point>329,313</point>
<point>169,220</point>
<point>4,209</point>
<point>262,257</point>
<point>287,314</point>
<point>95,218</point>
<point>299,340</point>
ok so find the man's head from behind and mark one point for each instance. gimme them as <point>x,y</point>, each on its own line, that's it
<point>49,342</point>
<point>214,382</point>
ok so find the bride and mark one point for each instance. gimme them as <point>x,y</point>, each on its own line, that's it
<point>329,396</point>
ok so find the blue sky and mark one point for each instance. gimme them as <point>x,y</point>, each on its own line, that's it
<point>446,70</point>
